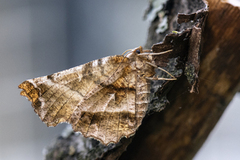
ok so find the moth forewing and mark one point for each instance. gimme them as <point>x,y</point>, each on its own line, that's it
<point>105,99</point>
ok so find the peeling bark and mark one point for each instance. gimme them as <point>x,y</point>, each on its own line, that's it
<point>179,131</point>
<point>208,65</point>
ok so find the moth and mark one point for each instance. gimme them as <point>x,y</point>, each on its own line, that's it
<point>106,99</point>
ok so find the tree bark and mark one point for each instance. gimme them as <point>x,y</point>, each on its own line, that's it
<point>178,131</point>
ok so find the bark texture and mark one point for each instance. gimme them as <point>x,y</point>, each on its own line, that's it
<point>179,131</point>
<point>181,128</point>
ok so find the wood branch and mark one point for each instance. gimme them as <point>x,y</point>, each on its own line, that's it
<point>179,131</point>
<point>181,128</point>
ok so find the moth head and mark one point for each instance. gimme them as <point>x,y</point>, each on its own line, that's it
<point>131,53</point>
<point>138,50</point>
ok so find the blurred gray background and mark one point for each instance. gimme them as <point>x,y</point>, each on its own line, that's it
<point>40,37</point>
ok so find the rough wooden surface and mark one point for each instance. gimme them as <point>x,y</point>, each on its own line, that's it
<point>180,130</point>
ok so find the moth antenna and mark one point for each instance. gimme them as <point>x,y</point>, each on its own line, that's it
<point>151,64</point>
<point>127,51</point>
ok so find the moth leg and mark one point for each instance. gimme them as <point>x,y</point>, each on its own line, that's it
<point>154,54</point>
<point>147,51</point>
<point>145,55</point>
<point>149,57</point>
<point>156,78</point>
